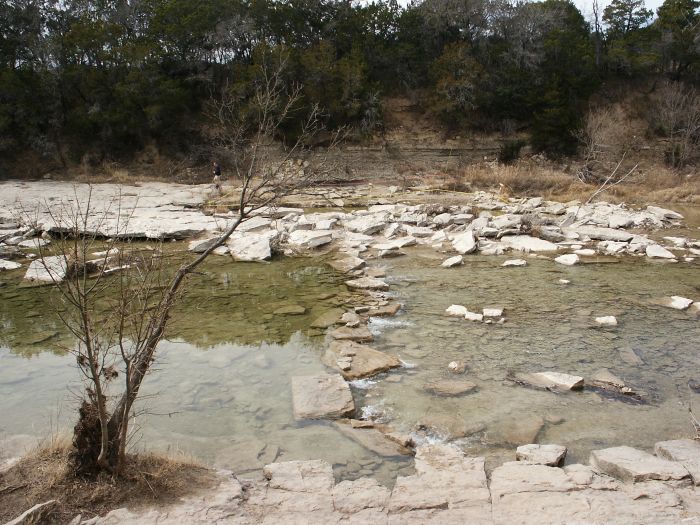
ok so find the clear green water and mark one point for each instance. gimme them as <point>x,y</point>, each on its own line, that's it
<point>222,392</point>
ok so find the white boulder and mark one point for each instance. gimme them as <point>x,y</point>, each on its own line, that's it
<point>47,269</point>
<point>472,316</point>
<point>608,320</point>
<point>655,251</point>
<point>677,302</point>
<point>526,243</point>
<point>250,246</point>
<point>308,239</point>
<point>664,213</point>
<point>456,310</point>
<point>464,243</point>
<point>558,380</point>
<point>453,261</point>
<point>569,259</point>
<point>9,265</point>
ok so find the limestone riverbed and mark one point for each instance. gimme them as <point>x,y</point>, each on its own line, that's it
<point>223,391</point>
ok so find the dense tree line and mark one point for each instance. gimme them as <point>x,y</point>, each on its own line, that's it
<point>100,79</point>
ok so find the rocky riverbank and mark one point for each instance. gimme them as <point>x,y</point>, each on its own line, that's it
<point>620,485</point>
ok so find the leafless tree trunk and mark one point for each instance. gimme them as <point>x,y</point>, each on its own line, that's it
<point>123,338</point>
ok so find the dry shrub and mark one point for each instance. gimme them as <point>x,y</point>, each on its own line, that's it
<point>528,178</point>
<point>608,140</point>
<point>676,116</point>
<point>522,178</point>
<point>45,474</point>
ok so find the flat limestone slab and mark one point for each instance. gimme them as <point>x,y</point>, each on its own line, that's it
<point>321,396</point>
<point>355,361</point>
<point>550,380</point>
<point>559,380</point>
<point>685,451</point>
<point>351,497</point>
<point>515,476</point>
<point>372,439</point>
<point>300,476</point>
<point>367,283</point>
<point>551,455</point>
<point>347,264</point>
<point>47,269</point>
<point>9,265</point>
<point>444,478</point>
<point>360,334</point>
<point>631,465</point>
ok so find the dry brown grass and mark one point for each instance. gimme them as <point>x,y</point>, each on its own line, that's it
<point>530,179</point>
<point>45,474</point>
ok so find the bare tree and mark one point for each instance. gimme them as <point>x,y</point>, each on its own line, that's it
<point>677,116</point>
<point>607,140</point>
<point>119,304</point>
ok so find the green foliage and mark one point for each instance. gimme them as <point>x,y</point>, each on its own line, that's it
<point>97,79</point>
<point>509,151</point>
<point>679,26</point>
<point>625,16</point>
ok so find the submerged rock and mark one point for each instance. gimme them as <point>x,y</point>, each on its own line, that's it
<point>321,396</point>
<point>514,262</point>
<point>522,429</point>
<point>367,283</point>
<point>328,318</point>
<point>450,387</point>
<point>293,309</point>
<point>387,310</point>
<point>347,264</point>
<point>372,439</point>
<point>549,380</point>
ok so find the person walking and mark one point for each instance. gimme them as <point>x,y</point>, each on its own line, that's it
<point>216,171</point>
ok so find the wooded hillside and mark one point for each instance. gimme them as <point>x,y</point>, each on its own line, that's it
<point>88,81</point>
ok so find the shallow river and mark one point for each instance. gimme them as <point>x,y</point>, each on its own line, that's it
<point>221,391</point>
